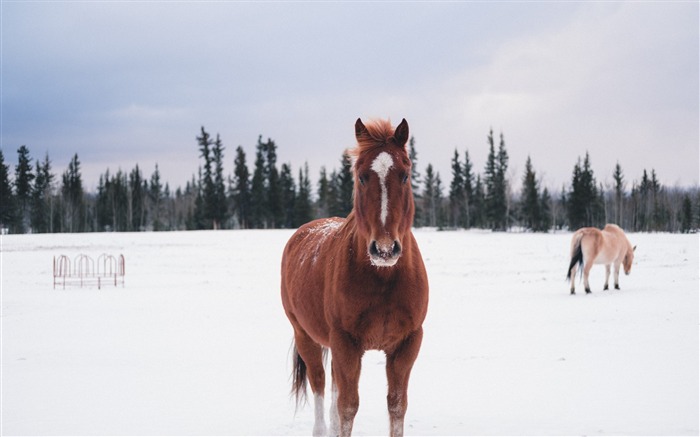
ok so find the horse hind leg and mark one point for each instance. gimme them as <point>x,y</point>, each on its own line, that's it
<point>607,276</point>
<point>617,276</point>
<point>308,363</point>
<point>586,272</point>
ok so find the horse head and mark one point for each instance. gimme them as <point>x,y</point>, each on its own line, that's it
<point>383,199</point>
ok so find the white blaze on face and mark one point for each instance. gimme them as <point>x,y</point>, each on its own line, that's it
<point>381,165</point>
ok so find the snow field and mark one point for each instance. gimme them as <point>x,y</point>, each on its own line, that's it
<point>197,341</point>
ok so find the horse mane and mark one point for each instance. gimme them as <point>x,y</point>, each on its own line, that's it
<point>379,133</point>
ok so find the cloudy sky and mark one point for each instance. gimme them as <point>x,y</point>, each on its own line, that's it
<point>126,83</point>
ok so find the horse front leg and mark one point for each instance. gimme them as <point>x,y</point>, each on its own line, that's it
<point>346,363</point>
<point>398,370</point>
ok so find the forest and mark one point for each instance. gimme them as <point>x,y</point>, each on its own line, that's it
<point>34,199</point>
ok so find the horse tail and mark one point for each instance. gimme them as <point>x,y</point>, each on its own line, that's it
<point>298,378</point>
<point>576,256</point>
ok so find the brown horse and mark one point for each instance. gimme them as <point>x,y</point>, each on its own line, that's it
<point>592,246</point>
<point>359,283</point>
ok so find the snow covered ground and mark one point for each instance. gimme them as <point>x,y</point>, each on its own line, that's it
<point>197,341</point>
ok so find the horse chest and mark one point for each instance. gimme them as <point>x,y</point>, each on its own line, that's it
<point>381,322</point>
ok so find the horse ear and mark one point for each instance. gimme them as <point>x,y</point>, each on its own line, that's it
<point>360,129</point>
<point>401,133</point>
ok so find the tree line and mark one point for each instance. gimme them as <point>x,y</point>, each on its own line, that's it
<point>34,199</point>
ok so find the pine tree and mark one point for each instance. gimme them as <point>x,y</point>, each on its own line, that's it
<point>686,218</point>
<point>241,189</point>
<point>324,195</point>
<point>258,211</point>
<point>530,198</point>
<point>219,207</point>
<point>545,223</point>
<point>7,200</point>
<point>584,206</point>
<point>429,198</point>
<point>619,179</point>
<point>496,201</point>
<point>458,211</point>
<point>72,192</point>
<point>288,192</point>
<point>157,200</point>
<point>42,197</point>
<point>468,189</point>
<point>479,214</point>
<point>415,182</point>
<point>274,207</point>
<point>342,188</point>
<point>208,202</point>
<point>302,207</point>
<point>24,178</point>
<point>441,214</point>
<point>138,200</point>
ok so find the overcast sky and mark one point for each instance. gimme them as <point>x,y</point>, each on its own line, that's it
<point>126,83</point>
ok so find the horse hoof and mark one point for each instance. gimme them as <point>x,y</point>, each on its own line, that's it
<point>605,288</point>
<point>588,291</point>
<point>573,292</point>
<point>617,287</point>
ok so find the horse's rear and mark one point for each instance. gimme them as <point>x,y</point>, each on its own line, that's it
<point>608,246</point>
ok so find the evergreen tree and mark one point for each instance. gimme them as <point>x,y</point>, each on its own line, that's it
<point>415,182</point>
<point>619,179</point>
<point>219,207</point>
<point>458,211</point>
<point>157,200</point>
<point>430,201</point>
<point>303,212</point>
<point>342,188</point>
<point>24,178</point>
<point>496,201</point>
<point>137,190</point>
<point>545,223</point>
<point>686,218</point>
<point>7,200</point>
<point>468,189</point>
<point>241,189</point>
<point>530,198</point>
<point>324,195</point>
<point>208,201</point>
<point>479,204</point>
<point>584,206</point>
<point>42,197</point>
<point>274,204</point>
<point>258,212</point>
<point>288,192</point>
<point>441,214</point>
<point>72,192</point>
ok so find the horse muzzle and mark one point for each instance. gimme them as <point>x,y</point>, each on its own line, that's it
<point>384,253</point>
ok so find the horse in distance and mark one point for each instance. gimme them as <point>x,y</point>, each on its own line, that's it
<point>608,246</point>
<point>359,283</point>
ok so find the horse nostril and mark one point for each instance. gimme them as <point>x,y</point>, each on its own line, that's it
<point>396,248</point>
<point>373,249</point>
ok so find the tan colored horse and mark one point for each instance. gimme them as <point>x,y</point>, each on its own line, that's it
<point>592,246</point>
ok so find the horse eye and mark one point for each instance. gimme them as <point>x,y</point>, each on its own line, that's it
<point>405,179</point>
<point>362,180</point>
